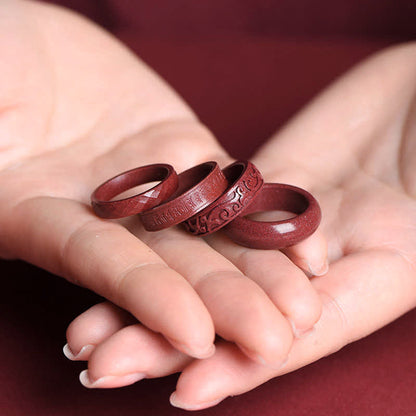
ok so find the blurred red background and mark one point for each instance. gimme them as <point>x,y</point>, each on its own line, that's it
<point>256,61</point>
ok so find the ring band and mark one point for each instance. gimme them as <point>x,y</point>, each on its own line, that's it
<point>105,207</point>
<point>276,234</point>
<point>244,183</point>
<point>198,187</point>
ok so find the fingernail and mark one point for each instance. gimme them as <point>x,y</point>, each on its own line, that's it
<point>82,355</point>
<point>186,406</point>
<point>253,355</point>
<point>300,333</point>
<point>256,357</point>
<point>318,269</point>
<point>193,352</point>
<point>304,334</point>
<point>109,381</point>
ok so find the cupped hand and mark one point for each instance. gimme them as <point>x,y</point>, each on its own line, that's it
<point>354,147</point>
<point>76,108</point>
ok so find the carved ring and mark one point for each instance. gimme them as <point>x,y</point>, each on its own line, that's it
<point>244,183</point>
<point>198,187</point>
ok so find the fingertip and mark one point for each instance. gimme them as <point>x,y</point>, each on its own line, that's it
<point>82,355</point>
<point>68,353</point>
<point>299,332</point>
<point>92,327</point>
<point>176,402</point>
<point>84,379</point>
<point>192,351</point>
<point>320,268</point>
<point>305,312</point>
<point>271,346</point>
<point>257,358</point>
<point>111,381</point>
<point>311,254</point>
<point>204,383</point>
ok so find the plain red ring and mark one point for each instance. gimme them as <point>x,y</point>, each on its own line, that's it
<point>277,234</point>
<point>105,207</point>
<point>198,187</point>
<point>244,181</point>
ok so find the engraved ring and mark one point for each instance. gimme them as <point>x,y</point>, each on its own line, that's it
<point>198,187</point>
<point>276,234</point>
<point>102,198</point>
<point>244,183</point>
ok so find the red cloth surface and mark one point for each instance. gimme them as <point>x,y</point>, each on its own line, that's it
<point>245,67</point>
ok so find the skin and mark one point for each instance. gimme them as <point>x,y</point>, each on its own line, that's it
<point>354,146</point>
<point>85,111</point>
<point>76,107</point>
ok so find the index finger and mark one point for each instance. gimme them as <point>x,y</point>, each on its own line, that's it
<point>64,237</point>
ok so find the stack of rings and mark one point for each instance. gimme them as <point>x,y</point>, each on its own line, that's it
<point>205,199</point>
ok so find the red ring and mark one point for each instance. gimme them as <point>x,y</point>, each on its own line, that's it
<point>277,234</point>
<point>244,183</point>
<point>101,198</point>
<point>198,187</point>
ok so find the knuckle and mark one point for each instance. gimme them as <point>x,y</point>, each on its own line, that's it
<point>123,284</point>
<point>337,317</point>
<point>77,243</point>
<point>251,261</point>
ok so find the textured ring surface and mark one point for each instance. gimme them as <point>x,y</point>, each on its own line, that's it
<point>276,234</point>
<point>105,207</point>
<point>244,181</point>
<point>198,187</point>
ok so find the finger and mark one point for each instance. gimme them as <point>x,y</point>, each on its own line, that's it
<point>63,237</point>
<point>351,292</point>
<point>285,284</point>
<point>93,327</point>
<point>240,309</point>
<point>311,254</point>
<point>197,388</point>
<point>129,355</point>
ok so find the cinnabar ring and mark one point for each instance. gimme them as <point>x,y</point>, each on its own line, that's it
<point>105,207</point>
<point>277,234</point>
<point>244,183</point>
<point>198,187</point>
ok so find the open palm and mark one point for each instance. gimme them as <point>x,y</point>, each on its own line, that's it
<point>76,108</point>
<point>354,147</point>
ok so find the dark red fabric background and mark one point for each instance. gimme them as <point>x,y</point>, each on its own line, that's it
<point>245,66</point>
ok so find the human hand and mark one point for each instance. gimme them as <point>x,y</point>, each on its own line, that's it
<point>354,147</point>
<point>77,108</point>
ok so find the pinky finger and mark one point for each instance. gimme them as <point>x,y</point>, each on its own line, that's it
<point>92,327</point>
<point>131,354</point>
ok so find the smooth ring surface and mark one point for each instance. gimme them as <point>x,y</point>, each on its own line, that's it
<point>105,207</point>
<point>244,183</point>
<point>198,187</point>
<point>276,234</point>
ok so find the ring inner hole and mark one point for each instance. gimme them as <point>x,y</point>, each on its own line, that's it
<point>272,215</point>
<point>135,190</point>
<point>277,205</point>
<point>234,172</point>
<point>191,178</point>
<point>131,183</point>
